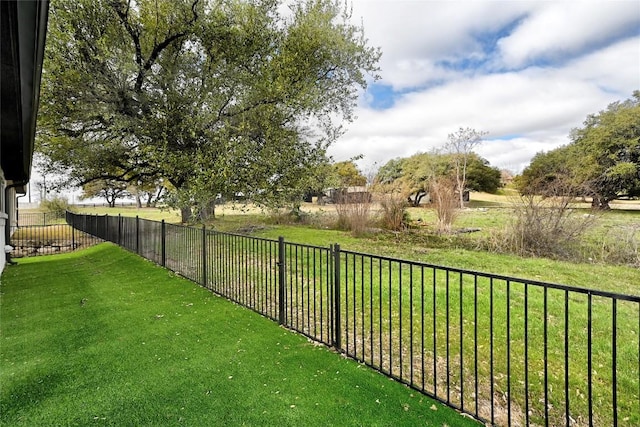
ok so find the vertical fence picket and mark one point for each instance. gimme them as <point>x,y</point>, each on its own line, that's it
<point>204,256</point>
<point>163,243</point>
<point>73,234</point>
<point>281,281</point>
<point>337,326</point>
<point>614,357</point>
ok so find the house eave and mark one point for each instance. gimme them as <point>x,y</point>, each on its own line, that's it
<point>23,29</point>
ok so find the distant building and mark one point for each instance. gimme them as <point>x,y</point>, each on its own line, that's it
<point>348,195</point>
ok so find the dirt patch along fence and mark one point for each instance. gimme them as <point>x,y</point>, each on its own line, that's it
<point>504,350</point>
<point>46,234</point>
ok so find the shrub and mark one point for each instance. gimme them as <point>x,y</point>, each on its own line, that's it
<point>353,212</point>
<point>546,226</point>
<point>393,211</point>
<point>56,206</point>
<point>445,202</point>
<point>620,245</point>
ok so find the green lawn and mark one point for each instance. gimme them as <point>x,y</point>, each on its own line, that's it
<point>103,337</point>
<point>453,251</point>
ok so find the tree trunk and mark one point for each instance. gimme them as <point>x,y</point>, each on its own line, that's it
<point>600,203</point>
<point>185,214</point>
<point>208,211</point>
<point>461,185</point>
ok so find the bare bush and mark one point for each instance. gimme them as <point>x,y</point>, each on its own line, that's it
<point>547,226</point>
<point>393,210</point>
<point>444,202</point>
<point>353,211</point>
<point>620,245</point>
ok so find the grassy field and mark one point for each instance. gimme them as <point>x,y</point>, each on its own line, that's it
<point>487,212</point>
<point>448,250</point>
<point>420,323</point>
<point>103,337</point>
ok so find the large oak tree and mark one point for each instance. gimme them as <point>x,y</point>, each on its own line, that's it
<point>213,96</point>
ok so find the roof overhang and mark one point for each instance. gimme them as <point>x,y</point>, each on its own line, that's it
<point>23,28</point>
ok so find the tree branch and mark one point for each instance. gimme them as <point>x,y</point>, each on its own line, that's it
<point>135,35</point>
<point>158,48</point>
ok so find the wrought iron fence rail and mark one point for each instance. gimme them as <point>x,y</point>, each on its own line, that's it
<point>504,350</point>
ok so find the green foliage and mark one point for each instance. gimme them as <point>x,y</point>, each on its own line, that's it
<point>602,160</point>
<point>415,174</point>
<point>545,169</point>
<point>480,176</point>
<point>57,206</point>
<point>390,171</point>
<point>217,98</point>
<point>348,174</point>
<point>109,189</point>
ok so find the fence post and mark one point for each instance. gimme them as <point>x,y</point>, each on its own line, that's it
<point>163,247</point>
<point>337,327</point>
<point>119,242</point>
<point>281,282</point>
<point>204,255</point>
<point>137,235</point>
<point>73,231</point>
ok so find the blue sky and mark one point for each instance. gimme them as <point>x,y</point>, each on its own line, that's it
<point>526,72</point>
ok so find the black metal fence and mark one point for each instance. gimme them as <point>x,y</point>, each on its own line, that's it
<point>26,219</point>
<point>504,350</point>
<point>44,233</point>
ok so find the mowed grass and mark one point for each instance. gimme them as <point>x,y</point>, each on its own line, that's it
<point>103,337</point>
<point>422,245</point>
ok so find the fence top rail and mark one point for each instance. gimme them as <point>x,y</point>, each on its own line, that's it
<point>303,245</point>
<point>581,290</point>
<point>593,292</point>
<point>244,236</point>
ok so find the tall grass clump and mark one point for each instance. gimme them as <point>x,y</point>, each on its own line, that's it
<point>546,226</point>
<point>619,245</point>
<point>353,212</point>
<point>444,202</point>
<point>56,206</point>
<point>393,211</point>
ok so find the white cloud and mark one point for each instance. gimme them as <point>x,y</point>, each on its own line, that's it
<point>526,110</point>
<point>414,35</point>
<point>615,68</point>
<point>560,29</point>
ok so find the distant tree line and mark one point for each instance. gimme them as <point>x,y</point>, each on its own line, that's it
<point>414,175</point>
<point>601,162</point>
